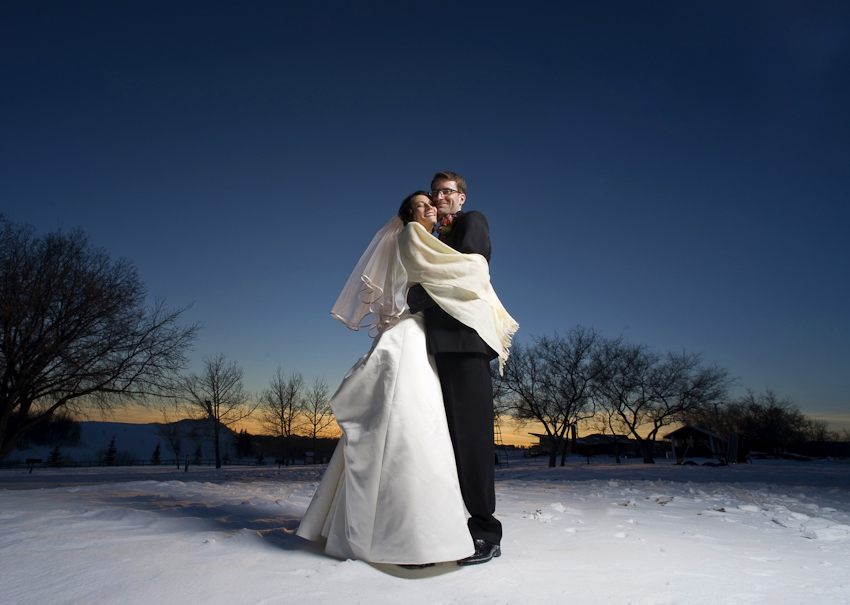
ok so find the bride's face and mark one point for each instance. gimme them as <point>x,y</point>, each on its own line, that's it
<point>424,213</point>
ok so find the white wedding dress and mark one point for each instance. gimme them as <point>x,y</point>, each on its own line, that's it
<point>390,493</point>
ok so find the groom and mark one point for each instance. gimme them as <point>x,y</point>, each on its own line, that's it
<point>463,364</point>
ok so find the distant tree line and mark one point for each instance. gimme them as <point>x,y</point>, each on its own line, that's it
<point>286,409</point>
<point>768,423</point>
<point>615,387</point>
<point>289,408</point>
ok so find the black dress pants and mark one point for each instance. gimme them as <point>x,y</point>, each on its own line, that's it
<point>468,397</point>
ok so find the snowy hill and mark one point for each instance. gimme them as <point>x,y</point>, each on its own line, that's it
<point>135,442</point>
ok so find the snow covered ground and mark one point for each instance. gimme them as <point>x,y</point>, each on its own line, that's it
<point>769,532</point>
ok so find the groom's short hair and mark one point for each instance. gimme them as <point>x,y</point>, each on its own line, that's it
<point>450,176</point>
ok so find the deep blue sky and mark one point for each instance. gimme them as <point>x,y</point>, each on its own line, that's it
<point>675,172</point>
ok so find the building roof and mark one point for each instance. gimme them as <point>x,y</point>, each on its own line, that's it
<point>594,438</point>
<point>690,429</point>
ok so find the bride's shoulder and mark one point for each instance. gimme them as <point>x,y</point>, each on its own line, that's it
<point>414,228</point>
<point>408,232</point>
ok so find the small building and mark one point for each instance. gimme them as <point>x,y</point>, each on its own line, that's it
<point>599,444</point>
<point>695,442</point>
<point>545,444</point>
<point>589,445</point>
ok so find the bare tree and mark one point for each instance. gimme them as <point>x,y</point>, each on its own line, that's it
<point>767,421</point>
<point>641,391</point>
<point>572,372</point>
<point>620,389</point>
<point>75,332</point>
<point>280,404</point>
<point>316,411</point>
<point>218,395</point>
<point>770,421</point>
<point>170,431</point>
<point>522,394</point>
<point>550,382</point>
<point>818,430</point>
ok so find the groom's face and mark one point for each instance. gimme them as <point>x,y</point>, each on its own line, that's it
<point>448,202</point>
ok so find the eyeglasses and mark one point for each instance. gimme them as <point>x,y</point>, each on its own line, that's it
<point>443,192</point>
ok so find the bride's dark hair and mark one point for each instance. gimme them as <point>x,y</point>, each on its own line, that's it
<point>405,211</point>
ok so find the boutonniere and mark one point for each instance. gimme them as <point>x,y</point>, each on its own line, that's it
<point>445,225</point>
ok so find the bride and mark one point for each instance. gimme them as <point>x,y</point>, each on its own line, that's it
<point>390,493</point>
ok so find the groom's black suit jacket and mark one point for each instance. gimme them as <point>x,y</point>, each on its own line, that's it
<point>469,234</point>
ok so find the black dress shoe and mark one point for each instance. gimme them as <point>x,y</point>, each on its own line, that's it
<point>484,551</point>
<point>416,565</point>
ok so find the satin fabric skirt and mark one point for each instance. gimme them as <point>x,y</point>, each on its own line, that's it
<point>390,493</point>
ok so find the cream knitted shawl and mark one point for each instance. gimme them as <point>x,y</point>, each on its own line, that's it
<point>459,284</point>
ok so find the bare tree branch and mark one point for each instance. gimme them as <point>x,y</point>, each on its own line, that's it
<point>317,415</point>
<point>280,405</point>
<point>217,394</point>
<point>75,331</point>
<point>550,382</point>
<point>640,391</point>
